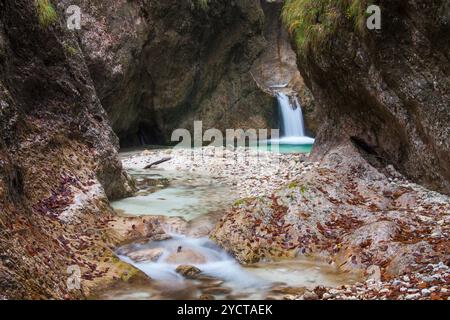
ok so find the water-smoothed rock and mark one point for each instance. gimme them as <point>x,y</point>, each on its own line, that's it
<point>217,290</point>
<point>237,296</point>
<point>286,290</point>
<point>188,271</point>
<point>310,295</point>
<point>378,237</point>
<point>209,283</point>
<point>345,211</point>
<point>186,255</point>
<point>146,255</point>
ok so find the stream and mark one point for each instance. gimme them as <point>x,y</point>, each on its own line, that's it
<point>199,201</point>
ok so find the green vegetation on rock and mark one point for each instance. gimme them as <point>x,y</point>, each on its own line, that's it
<point>293,185</point>
<point>243,201</point>
<point>313,21</point>
<point>70,50</point>
<point>46,13</point>
<point>203,4</point>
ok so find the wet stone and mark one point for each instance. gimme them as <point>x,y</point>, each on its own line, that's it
<point>217,290</point>
<point>188,271</point>
<point>146,255</point>
<point>210,284</point>
<point>288,290</point>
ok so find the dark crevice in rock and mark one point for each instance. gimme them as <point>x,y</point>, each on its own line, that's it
<point>15,183</point>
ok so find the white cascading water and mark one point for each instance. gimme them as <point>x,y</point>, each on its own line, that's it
<point>292,121</point>
<point>253,280</point>
<point>292,116</point>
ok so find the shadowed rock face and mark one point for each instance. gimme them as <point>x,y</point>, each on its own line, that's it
<point>55,144</point>
<point>388,91</point>
<point>277,65</point>
<point>160,65</point>
<point>48,96</point>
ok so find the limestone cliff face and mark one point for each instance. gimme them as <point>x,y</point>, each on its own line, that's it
<point>160,65</point>
<point>277,64</point>
<point>58,156</point>
<point>388,91</point>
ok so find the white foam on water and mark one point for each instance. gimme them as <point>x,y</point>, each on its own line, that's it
<point>254,280</point>
<point>293,140</point>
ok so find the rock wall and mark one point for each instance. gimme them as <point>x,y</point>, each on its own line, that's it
<point>277,65</point>
<point>160,65</point>
<point>387,91</point>
<point>58,158</point>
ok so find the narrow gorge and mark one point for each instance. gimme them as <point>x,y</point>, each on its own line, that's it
<point>333,183</point>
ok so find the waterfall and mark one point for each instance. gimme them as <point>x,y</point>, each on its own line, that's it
<point>292,122</point>
<point>291,115</point>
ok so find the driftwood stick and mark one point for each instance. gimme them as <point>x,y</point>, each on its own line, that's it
<point>158,162</point>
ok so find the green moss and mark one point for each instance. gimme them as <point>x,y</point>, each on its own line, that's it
<point>115,259</point>
<point>202,4</point>
<point>312,22</point>
<point>240,202</point>
<point>303,190</point>
<point>129,274</point>
<point>46,13</point>
<point>293,185</point>
<point>70,50</point>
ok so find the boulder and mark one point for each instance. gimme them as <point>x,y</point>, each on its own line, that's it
<point>217,290</point>
<point>146,255</point>
<point>188,271</point>
<point>186,255</point>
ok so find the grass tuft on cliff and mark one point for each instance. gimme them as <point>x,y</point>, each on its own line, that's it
<point>47,14</point>
<point>311,22</point>
<point>202,4</point>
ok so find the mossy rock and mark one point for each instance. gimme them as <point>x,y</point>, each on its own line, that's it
<point>313,21</point>
<point>243,201</point>
<point>46,12</point>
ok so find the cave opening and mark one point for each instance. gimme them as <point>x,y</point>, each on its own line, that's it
<point>144,135</point>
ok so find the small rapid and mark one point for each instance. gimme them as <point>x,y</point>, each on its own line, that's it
<point>198,252</point>
<point>221,273</point>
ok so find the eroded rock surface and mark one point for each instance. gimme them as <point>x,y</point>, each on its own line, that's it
<point>276,68</point>
<point>387,91</point>
<point>58,161</point>
<point>346,211</point>
<point>160,65</point>
<point>188,271</point>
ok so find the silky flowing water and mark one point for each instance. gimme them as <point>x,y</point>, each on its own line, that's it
<point>170,193</point>
<point>291,115</point>
<point>200,200</point>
